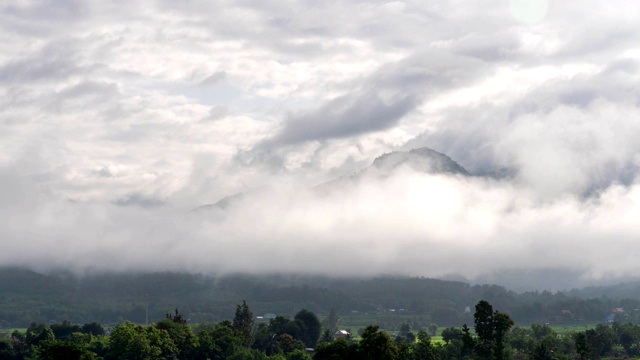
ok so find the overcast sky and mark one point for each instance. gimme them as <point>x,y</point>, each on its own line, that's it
<point>118,117</point>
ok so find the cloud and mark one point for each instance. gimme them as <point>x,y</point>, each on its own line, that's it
<point>410,223</point>
<point>104,105</point>
<point>343,117</point>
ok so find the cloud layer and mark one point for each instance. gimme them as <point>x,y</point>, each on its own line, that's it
<point>117,119</point>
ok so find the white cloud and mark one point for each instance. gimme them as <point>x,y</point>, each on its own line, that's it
<point>171,104</point>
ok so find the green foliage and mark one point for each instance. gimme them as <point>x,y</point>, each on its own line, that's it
<point>298,355</point>
<point>310,327</point>
<point>542,352</point>
<point>63,350</point>
<point>64,330</point>
<point>423,349</point>
<point>483,321</point>
<point>37,333</point>
<point>113,298</point>
<point>468,342</point>
<point>330,323</point>
<point>93,328</point>
<point>501,325</point>
<point>377,345</point>
<point>243,323</point>
<point>181,335</point>
<point>491,328</point>
<point>433,328</point>
<point>327,336</point>
<point>218,343</point>
<point>451,333</point>
<point>288,344</point>
<point>340,349</point>
<point>7,349</point>
<point>135,342</point>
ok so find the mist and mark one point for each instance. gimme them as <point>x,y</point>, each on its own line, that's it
<point>118,120</point>
<point>409,223</point>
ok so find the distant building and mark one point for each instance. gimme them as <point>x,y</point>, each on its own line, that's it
<point>269,316</point>
<point>342,334</point>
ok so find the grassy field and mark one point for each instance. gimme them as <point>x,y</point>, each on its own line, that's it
<point>391,322</point>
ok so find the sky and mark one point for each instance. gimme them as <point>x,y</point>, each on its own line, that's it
<point>118,118</point>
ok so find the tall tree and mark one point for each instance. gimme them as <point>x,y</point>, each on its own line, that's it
<point>501,325</point>
<point>310,327</point>
<point>491,328</point>
<point>483,321</point>
<point>243,323</point>
<point>468,342</point>
<point>331,322</point>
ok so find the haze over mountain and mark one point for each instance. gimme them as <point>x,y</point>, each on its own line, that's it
<point>422,160</point>
<point>117,119</point>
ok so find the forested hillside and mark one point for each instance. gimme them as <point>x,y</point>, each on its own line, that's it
<point>27,296</point>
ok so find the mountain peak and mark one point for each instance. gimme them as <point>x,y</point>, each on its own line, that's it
<point>422,160</point>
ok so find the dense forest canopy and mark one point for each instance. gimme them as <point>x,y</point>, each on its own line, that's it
<point>305,337</point>
<point>27,296</point>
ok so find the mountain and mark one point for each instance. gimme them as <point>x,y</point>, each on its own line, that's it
<point>422,160</point>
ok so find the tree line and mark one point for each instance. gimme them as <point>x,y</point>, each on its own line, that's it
<point>304,337</point>
<point>27,296</point>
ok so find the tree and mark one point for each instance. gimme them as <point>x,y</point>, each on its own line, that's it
<point>582,346</point>
<point>501,325</point>
<point>423,349</point>
<point>93,328</point>
<point>243,323</point>
<point>331,322</point>
<point>468,342</point>
<point>483,321</point>
<point>289,344</point>
<point>377,345</point>
<point>298,355</point>
<point>37,333</point>
<point>451,333</point>
<point>64,330</point>
<point>218,343</point>
<point>176,318</point>
<point>7,350</point>
<point>181,334</point>
<point>266,339</point>
<point>310,326</point>
<point>63,350</point>
<point>491,328</point>
<point>405,329</point>
<point>542,352</point>
<point>327,336</point>
<point>339,349</point>
<point>135,342</point>
<point>433,328</point>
